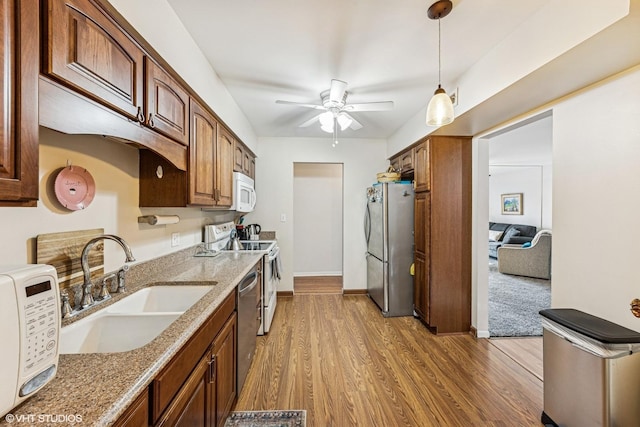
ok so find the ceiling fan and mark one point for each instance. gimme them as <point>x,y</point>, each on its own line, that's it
<point>336,110</point>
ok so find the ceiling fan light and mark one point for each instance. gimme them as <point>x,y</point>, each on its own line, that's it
<point>327,128</point>
<point>344,121</point>
<point>326,120</point>
<point>440,109</point>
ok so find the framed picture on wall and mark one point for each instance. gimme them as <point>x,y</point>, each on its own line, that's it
<point>511,204</point>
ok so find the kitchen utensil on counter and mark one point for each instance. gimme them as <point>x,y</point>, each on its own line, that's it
<point>253,231</point>
<point>234,241</point>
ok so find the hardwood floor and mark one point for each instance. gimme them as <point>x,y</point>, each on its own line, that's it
<point>527,352</point>
<point>317,285</point>
<point>339,359</point>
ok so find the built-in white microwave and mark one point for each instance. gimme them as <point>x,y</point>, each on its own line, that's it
<point>244,194</point>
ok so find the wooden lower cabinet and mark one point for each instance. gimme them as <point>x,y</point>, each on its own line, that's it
<point>190,407</point>
<point>137,415</point>
<point>421,286</point>
<point>223,388</point>
<point>198,386</point>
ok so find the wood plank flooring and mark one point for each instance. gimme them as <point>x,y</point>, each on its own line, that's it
<point>527,352</point>
<point>317,285</point>
<point>339,359</point>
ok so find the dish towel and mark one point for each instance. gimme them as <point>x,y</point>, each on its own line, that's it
<point>276,267</point>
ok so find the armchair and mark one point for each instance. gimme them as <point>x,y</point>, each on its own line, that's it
<point>533,261</point>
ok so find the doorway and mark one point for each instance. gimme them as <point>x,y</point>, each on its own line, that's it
<point>317,228</point>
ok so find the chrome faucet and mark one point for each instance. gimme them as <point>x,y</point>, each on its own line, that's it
<point>87,297</point>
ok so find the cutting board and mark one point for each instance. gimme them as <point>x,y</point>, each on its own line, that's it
<point>63,251</point>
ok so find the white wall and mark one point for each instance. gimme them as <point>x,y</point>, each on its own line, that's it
<point>595,183</point>
<point>596,200</point>
<point>157,22</point>
<point>362,159</point>
<point>114,168</point>
<point>317,219</point>
<point>516,179</point>
<point>536,42</point>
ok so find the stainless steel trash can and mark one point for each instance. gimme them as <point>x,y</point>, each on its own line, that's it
<point>591,371</point>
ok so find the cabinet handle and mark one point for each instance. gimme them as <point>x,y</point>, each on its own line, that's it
<point>150,121</point>
<point>140,115</point>
<point>212,370</point>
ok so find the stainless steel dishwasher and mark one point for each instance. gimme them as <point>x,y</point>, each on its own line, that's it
<point>247,323</point>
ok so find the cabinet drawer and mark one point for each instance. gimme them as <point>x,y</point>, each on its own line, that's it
<point>167,384</point>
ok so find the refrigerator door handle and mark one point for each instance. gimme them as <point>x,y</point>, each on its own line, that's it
<point>367,225</point>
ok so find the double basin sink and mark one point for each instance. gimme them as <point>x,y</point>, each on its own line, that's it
<point>132,322</point>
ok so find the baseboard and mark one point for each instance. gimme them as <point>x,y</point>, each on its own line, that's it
<point>482,334</point>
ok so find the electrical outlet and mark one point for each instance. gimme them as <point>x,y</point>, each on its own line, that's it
<point>283,217</point>
<point>175,239</point>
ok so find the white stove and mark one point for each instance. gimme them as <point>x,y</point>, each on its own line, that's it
<point>216,240</point>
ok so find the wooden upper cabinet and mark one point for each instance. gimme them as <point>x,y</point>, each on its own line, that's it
<point>243,161</point>
<point>422,173</point>
<point>202,156</point>
<point>406,161</point>
<point>238,157</point>
<point>19,29</point>
<point>167,104</point>
<point>395,163</point>
<point>86,50</point>
<point>224,167</point>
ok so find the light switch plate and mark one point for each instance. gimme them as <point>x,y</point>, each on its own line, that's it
<point>175,239</point>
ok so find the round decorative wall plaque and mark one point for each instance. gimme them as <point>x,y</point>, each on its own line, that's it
<point>75,188</point>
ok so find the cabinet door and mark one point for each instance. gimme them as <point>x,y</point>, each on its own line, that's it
<point>224,356</point>
<point>137,415</point>
<point>190,407</point>
<point>86,50</point>
<point>167,104</point>
<point>246,163</point>
<point>422,168</point>
<point>252,168</point>
<point>422,212</point>
<point>421,287</point>
<point>224,167</point>
<point>238,157</point>
<point>202,156</point>
<point>406,161</point>
<point>19,116</point>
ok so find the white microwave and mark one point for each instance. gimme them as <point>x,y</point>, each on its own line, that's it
<point>244,194</point>
<point>29,331</point>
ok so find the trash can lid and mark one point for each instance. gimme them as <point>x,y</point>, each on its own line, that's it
<point>594,327</point>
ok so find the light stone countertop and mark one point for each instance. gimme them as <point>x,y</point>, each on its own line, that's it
<point>99,387</point>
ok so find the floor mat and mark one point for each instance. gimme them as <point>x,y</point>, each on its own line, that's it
<point>267,419</point>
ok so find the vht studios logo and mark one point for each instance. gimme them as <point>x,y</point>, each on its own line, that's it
<point>43,418</point>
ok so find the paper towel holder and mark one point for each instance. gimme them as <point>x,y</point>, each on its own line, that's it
<point>158,219</point>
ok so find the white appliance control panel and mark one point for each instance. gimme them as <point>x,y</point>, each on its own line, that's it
<point>30,315</point>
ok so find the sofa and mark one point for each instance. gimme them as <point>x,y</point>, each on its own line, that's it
<point>511,234</point>
<point>534,260</point>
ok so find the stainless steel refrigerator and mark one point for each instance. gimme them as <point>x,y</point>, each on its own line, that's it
<point>388,228</point>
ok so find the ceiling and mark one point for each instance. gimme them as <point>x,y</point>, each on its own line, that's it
<point>385,50</point>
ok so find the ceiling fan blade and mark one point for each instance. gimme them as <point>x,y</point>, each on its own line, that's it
<point>310,121</point>
<point>355,125</point>
<point>338,88</point>
<point>370,106</point>
<point>300,104</point>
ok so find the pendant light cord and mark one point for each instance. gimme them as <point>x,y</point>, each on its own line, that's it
<point>439,60</point>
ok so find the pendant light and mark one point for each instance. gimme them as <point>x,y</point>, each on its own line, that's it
<point>440,108</point>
